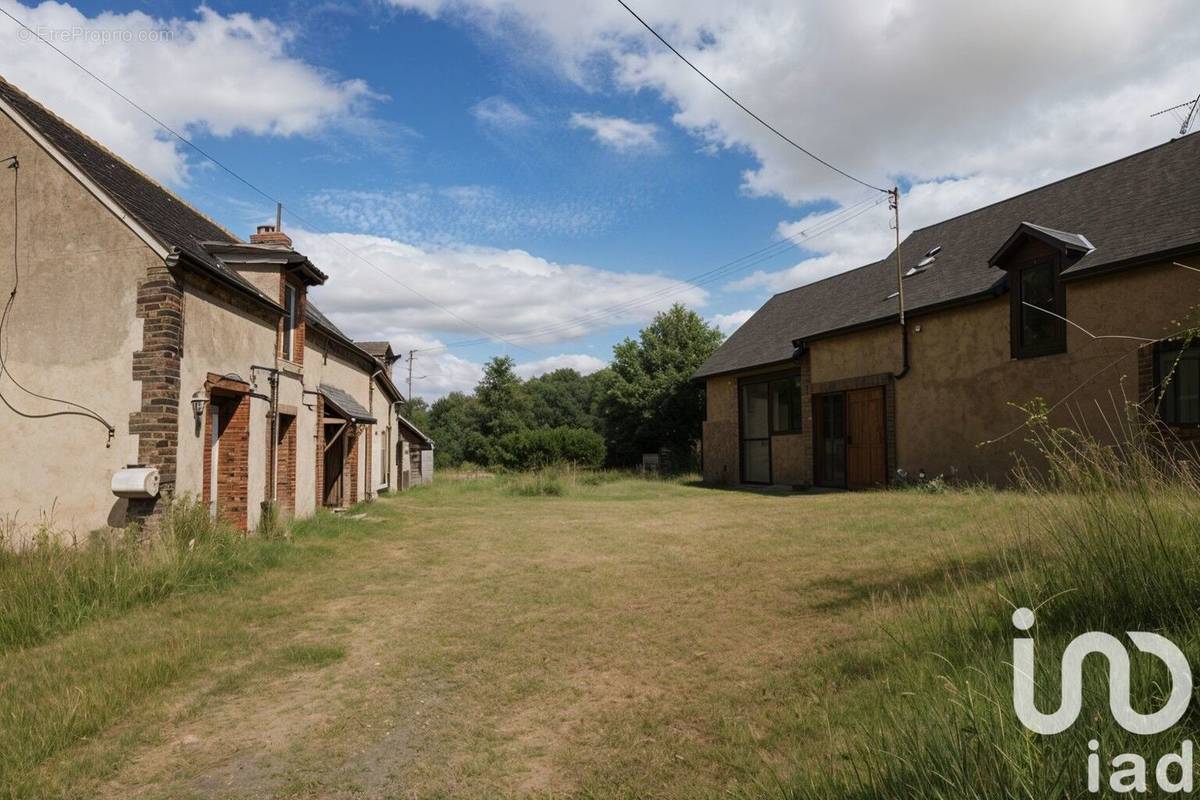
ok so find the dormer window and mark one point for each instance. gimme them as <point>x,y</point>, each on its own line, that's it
<point>291,314</point>
<point>1034,258</point>
<point>1038,302</point>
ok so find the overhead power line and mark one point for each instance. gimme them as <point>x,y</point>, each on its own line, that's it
<point>743,107</point>
<point>702,279</point>
<point>204,153</point>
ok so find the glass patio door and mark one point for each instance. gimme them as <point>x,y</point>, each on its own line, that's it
<point>755,430</point>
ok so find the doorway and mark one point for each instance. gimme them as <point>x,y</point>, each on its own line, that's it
<point>850,432</point>
<point>755,431</point>
<point>335,462</point>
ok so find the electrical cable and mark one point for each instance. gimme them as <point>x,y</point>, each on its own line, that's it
<point>84,411</point>
<point>739,104</point>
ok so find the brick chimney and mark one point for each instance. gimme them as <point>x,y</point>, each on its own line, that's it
<point>271,236</point>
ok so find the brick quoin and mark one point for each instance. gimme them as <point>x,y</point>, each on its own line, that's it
<point>156,366</point>
<point>285,477</point>
<point>351,469</point>
<point>299,335</point>
<point>367,486</point>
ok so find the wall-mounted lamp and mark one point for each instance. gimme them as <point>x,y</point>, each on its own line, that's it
<point>198,402</point>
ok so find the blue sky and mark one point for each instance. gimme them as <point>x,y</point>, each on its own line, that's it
<point>530,162</point>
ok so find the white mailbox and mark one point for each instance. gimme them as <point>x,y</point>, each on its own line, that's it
<point>135,482</point>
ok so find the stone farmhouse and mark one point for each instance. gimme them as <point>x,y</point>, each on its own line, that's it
<point>148,352</point>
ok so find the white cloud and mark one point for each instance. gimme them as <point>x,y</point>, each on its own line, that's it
<point>498,112</point>
<point>617,133</point>
<point>967,102</point>
<point>509,292</point>
<point>728,323</point>
<point>580,362</point>
<point>222,74</point>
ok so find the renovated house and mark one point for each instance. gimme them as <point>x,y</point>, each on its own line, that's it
<point>1069,294</point>
<point>148,352</point>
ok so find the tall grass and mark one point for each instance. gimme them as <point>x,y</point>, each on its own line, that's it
<point>1111,542</point>
<point>50,584</point>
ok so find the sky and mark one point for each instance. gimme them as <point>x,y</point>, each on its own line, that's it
<point>538,178</point>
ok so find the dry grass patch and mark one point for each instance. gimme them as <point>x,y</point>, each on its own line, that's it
<point>626,638</point>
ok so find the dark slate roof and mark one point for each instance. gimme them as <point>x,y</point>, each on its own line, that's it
<point>1143,205</point>
<point>377,349</point>
<point>314,316</point>
<point>344,404</point>
<point>172,221</point>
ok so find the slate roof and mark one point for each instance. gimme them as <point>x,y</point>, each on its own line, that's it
<point>1143,205</point>
<point>406,423</point>
<point>344,404</point>
<point>377,349</point>
<point>172,221</point>
<point>314,316</point>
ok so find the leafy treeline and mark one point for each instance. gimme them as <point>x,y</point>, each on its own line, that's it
<point>643,402</point>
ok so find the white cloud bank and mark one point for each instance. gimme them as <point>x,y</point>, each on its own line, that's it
<point>969,102</point>
<point>222,74</point>
<point>532,302</point>
<point>499,112</point>
<point>728,323</point>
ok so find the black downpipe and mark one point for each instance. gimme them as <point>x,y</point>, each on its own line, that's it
<point>904,350</point>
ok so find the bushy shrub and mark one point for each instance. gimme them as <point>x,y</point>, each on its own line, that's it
<point>542,447</point>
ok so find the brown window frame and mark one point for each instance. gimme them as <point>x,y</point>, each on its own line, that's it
<point>1171,349</point>
<point>1018,310</point>
<point>291,312</point>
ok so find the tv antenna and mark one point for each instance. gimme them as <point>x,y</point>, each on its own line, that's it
<point>1187,118</point>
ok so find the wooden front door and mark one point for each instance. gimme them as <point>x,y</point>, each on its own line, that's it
<point>866,442</point>
<point>335,462</point>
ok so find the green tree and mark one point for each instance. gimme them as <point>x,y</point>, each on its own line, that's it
<point>502,399</point>
<point>650,401</point>
<point>564,399</point>
<point>455,423</point>
<point>416,411</point>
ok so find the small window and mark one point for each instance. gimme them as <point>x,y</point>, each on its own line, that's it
<point>1177,375</point>
<point>785,405</point>
<point>1038,300</point>
<point>290,302</point>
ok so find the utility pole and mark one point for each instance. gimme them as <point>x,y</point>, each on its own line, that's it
<point>411,355</point>
<point>894,204</point>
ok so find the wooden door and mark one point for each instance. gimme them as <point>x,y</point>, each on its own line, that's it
<point>335,462</point>
<point>866,442</point>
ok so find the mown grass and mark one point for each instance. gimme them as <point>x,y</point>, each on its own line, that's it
<point>629,638</point>
<point>1110,542</point>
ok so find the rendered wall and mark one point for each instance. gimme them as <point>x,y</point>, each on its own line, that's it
<point>71,334</point>
<point>222,338</point>
<point>963,385</point>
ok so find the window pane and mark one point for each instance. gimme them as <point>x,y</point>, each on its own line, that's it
<point>1037,288</point>
<point>755,414</point>
<point>757,459</point>
<point>1189,392</point>
<point>1181,390</point>
<point>785,405</point>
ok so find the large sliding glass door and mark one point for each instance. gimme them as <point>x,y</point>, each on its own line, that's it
<point>756,433</point>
